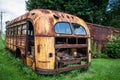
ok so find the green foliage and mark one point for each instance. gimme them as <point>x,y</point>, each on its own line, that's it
<point>93,11</point>
<point>86,9</point>
<point>2,41</point>
<point>113,48</point>
<point>113,16</point>
<point>13,69</point>
<point>115,22</point>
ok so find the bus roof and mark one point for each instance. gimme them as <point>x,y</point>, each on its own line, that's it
<point>44,12</point>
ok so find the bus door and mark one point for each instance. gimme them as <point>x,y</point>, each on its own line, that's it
<point>30,49</point>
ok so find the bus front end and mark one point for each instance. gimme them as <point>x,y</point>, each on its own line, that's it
<point>72,47</point>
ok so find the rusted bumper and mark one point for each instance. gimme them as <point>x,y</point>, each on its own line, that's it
<point>60,70</point>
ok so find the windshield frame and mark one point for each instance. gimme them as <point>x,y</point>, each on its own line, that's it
<point>80,26</point>
<point>61,27</point>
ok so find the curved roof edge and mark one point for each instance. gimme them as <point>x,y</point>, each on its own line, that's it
<point>41,11</point>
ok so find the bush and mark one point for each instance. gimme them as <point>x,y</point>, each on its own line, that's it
<point>113,48</point>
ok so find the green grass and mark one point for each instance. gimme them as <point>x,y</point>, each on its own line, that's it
<point>2,41</point>
<point>101,69</point>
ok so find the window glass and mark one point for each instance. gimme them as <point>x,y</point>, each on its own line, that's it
<point>11,31</point>
<point>19,30</point>
<point>14,30</point>
<point>63,28</point>
<point>24,29</point>
<point>30,32</point>
<point>78,29</point>
<point>24,26</point>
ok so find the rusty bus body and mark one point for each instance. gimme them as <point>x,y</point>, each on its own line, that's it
<point>49,42</point>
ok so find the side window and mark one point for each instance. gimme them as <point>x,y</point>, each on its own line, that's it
<point>24,26</point>
<point>19,30</point>
<point>14,30</point>
<point>11,31</point>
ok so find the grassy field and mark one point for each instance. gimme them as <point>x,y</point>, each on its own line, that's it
<point>101,69</point>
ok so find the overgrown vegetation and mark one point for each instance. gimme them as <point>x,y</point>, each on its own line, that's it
<point>2,41</point>
<point>113,48</point>
<point>96,51</point>
<point>12,68</point>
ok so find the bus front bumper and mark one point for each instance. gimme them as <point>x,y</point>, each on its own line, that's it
<point>60,70</point>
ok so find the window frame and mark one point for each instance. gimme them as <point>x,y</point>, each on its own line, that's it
<point>14,30</point>
<point>63,33</point>
<point>19,30</point>
<point>24,29</point>
<point>78,34</point>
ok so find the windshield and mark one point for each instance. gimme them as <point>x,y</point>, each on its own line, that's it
<point>63,28</point>
<point>78,29</point>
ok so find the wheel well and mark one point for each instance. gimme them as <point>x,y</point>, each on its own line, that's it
<point>18,53</point>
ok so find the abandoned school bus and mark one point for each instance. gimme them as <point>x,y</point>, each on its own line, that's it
<point>49,41</point>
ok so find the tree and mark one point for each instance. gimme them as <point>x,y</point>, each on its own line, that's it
<point>93,11</point>
<point>113,13</point>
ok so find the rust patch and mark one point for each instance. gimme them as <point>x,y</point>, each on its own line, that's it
<point>34,15</point>
<point>44,11</point>
<point>51,24</point>
<point>56,13</point>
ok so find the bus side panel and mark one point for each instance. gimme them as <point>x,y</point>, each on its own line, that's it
<point>44,52</point>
